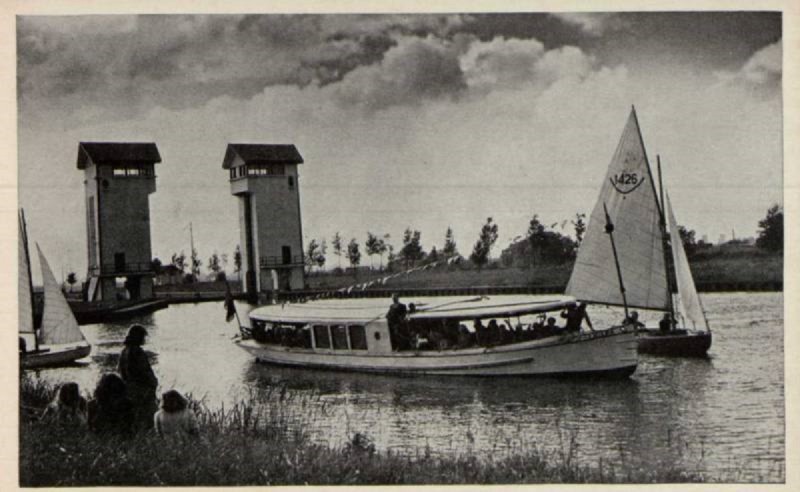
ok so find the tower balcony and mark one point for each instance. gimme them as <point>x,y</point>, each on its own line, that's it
<point>270,262</point>
<point>121,270</point>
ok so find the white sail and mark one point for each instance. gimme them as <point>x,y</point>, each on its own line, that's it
<point>58,323</point>
<point>24,286</point>
<point>689,307</point>
<point>629,195</point>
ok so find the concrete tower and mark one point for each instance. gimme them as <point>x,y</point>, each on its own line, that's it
<point>264,178</point>
<point>119,177</point>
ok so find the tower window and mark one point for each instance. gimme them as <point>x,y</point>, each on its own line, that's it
<point>291,182</point>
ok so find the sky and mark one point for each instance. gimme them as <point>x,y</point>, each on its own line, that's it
<point>404,121</point>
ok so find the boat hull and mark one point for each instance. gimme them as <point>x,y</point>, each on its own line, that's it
<point>682,344</point>
<point>608,353</point>
<point>54,356</point>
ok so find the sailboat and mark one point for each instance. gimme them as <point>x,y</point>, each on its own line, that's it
<point>631,270</point>
<point>59,340</point>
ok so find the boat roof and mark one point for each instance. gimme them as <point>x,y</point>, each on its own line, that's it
<point>370,309</point>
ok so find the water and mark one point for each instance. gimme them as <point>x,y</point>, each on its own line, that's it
<point>721,417</point>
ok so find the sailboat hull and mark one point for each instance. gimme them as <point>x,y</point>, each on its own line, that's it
<point>682,343</point>
<point>54,356</point>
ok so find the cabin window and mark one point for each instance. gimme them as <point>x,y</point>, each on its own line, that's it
<point>339,333</point>
<point>358,338</point>
<point>321,337</point>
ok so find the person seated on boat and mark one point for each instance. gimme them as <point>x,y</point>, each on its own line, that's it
<point>508,332</point>
<point>68,407</point>
<point>666,324</point>
<point>480,332</point>
<point>551,328</point>
<point>575,315</point>
<point>495,334</point>
<point>139,377</point>
<point>464,337</point>
<point>437,341</point>
<point>633,320</point>
<point>175,419</point>
<point>111,411</point>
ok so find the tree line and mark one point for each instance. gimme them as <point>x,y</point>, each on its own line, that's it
<point>540,244</point>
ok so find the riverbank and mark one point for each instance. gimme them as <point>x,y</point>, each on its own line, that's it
<point>251,445</point>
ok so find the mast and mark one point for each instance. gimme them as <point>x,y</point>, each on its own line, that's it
<point>24,232</point>
<point>610,232</point>
<point>664,237</point>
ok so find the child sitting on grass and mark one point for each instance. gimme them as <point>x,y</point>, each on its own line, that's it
<point>175,417</point>
<point>68,406</point>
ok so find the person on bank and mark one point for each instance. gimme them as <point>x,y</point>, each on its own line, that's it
<point>175,418</point>
<point>575,315</point>
<point>138,376</point>
<point>68,407</point>
<point>111,411</point>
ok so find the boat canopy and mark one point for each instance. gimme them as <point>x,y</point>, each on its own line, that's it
<point>428,308</point>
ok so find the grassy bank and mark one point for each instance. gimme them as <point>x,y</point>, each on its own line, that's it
<point>250,445</point>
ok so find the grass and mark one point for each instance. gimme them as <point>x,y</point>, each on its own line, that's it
<point>252,445</point>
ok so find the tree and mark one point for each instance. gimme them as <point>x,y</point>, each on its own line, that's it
<point>383,247</point>
<point>412,249</point>
<point>72,279</point>
<point>548,245</point>
<point>353,254</point>
<point>237,261</point>
<point>487,238</point>
<point>321,251</point>
<point>196,262</point>
<point>770,235</point>
<point>156,266</point>
<point>580,228</point>
<point>312,250</point>
<point>688,240</point>
<point>214,265</point>
<point>179,260</point>
<point>337,247</point>
<point>450,248</point>
<point>372,245</point>
<point>433,256</point>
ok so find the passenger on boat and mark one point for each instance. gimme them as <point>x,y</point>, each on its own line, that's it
<point>575,315</point>
<point>495,333</point>
<point>464,337</point>
<point>111,411</point>
<point>68,407</point>
<point>633,319</point>
<point>175,418</point>
<point>666,323</point>
<point>138,376</point>
<point>396,318</point>
<point>481,335</point>
<point>551,328</point>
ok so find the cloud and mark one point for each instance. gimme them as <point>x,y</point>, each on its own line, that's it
<point>762,72</point>
<point>511,63</point>
<point>413,71</point>
<point>594,23</point>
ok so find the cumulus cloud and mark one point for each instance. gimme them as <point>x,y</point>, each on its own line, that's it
<point>761,72</point>
<point>413,71</point>
<point>591,23</point>
<point>512,63</point>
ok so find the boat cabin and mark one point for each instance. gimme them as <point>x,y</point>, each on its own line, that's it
<point>360,326</point>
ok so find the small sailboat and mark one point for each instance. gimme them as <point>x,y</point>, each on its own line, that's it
<point>631,270</point>
<point>59,340</point>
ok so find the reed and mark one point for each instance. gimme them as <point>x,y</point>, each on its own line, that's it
<point>249,445</point>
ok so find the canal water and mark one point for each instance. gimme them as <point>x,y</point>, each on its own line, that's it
<point>722,417</point>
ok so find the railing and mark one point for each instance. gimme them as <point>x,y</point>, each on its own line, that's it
<point>127,268</point>
<point>279,261</point>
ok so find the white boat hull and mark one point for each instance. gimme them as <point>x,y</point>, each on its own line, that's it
<point>603,353</point>
<point>56,355</point>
